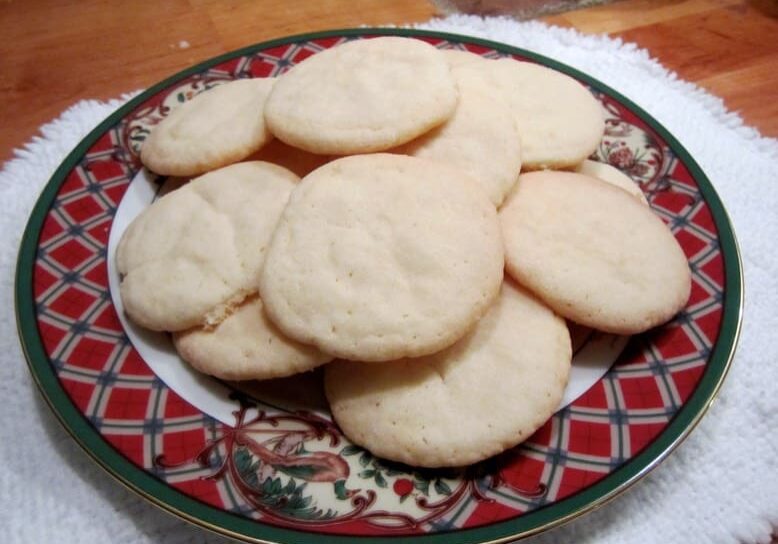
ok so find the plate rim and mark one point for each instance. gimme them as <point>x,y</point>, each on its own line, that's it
<point>225,523</point>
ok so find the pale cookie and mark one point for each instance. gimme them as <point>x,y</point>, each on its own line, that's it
<point>218,127</point>
<point>480,139</point>
<point>458,57</point>
<point>483,395</point>
<point>612,175</point>
<point>593,253</point>
<point>246,346</point>
<point>198,250</point>
<point>362,96</point>
<point>559,121</point>
<point>298,161</point>
<point>383,256</point>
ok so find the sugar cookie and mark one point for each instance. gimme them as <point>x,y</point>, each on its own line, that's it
<point>298,161</point>
<point>458,57</point>
<point>362,96</point>
<point>218,127</point>
<point>383,256</point>
<point>246,346</point>
<point>480,139</point>
<point>483,395</point>
<point>196,252</point>
<point>593,253</point>
<point>559,121</point>
<point>612,175</point>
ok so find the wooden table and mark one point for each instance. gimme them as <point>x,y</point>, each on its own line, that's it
<point>54,53</point>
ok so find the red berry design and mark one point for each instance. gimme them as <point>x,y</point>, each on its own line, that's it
<point>403,487</point>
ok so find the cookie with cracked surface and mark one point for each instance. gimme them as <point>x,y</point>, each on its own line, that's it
<point>218,127</point>
<point>383,256</point>
<point>196,252</point>
<point>559,121</point>
<point>246,346</point>
<point>481,396</point>
<point>593,252</point>
<point>481,139</point>
<point>362,96</point>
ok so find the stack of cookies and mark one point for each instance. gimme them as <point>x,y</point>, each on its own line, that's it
<point>386,259</point>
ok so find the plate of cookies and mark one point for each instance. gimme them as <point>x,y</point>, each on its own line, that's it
<point>379,283</point>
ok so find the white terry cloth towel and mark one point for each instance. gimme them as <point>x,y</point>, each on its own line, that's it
<point>720,485</point>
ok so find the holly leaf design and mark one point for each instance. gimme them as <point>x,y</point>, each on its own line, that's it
<point>340,490</point>
<point>422,485</point>
<point>289,500</point>
<point>364,459</point>
<point>351,449</point>
<point>304,472</point>
<point>275,486</point>
<point>247,467</point>
<point>442,487</point>
<point>380,480</point>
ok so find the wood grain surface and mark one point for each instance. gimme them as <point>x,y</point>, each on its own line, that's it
<point>729,47</point>
<point>54,53</point>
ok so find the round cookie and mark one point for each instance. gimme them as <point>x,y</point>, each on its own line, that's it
<point>298,161</point>
<point>481,396</point>
<point>383,256</point>
<point>362,96</point>
<point>593,253</point>
<point>480,139</point>
<point>559,121</point>
<point>218,127</point>
<point>458,57</point>
<point>246,346</point>
<point>197,251</point>
<point>612,175</point>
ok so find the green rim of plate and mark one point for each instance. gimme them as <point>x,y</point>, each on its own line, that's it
<point>236,526</point>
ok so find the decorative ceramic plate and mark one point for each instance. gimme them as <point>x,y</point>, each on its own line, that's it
<point>267,463</point>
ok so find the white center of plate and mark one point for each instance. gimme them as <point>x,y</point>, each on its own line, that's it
<point>594,352</point>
